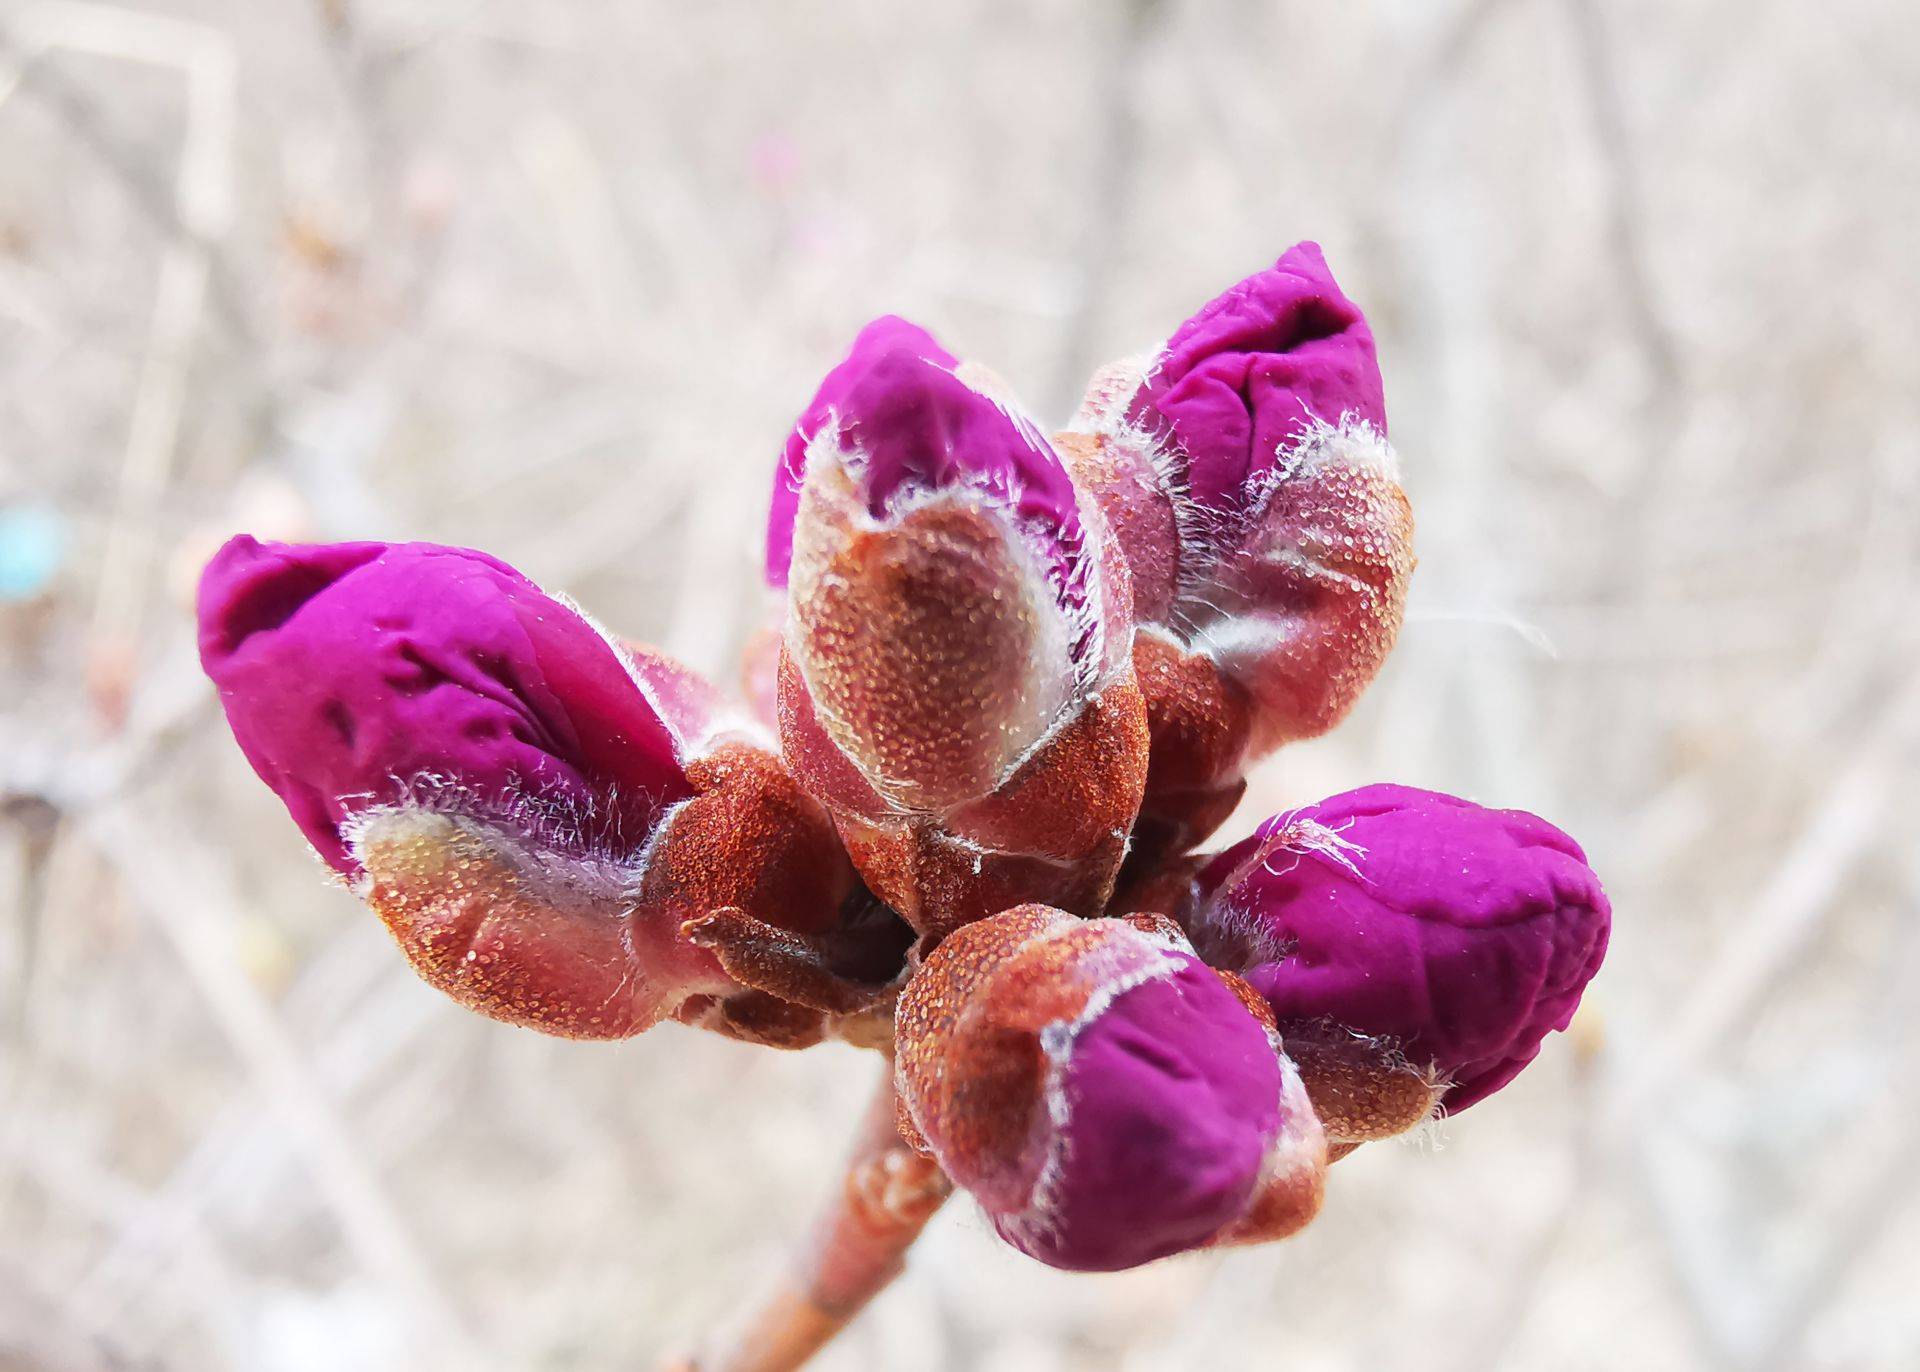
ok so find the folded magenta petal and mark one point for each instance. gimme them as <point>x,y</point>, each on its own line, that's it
<point>1172,1098</point>
<point>1251,374</point>
<point>917,428</point>
<point>1463,935</point>
<point>888,334</point>
<point>355,675</point>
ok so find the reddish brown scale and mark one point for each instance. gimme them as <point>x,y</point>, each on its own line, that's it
<point>1332,564</point>
<point>1199,721</point>
<point>477,924</point>
<point>1082,787</point>
<point>928,1010</point>
<point>814,758</point>
<point>939,884</point>
<point>967,1032</point>
<point>750,838</point>
<point>920,637</point>
<point>1282,1207</point>
<point>1361,1091</point>
<point>1068,808</point>
<point>1137,510</point>
<point>755,1017</point>
<point>563,946</point>
<point>1148,922</point>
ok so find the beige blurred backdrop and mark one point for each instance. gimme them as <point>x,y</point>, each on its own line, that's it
<point>553,279</point>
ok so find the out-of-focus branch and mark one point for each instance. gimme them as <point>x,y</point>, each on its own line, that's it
<point>180,887</point>
<point>1110,187</point>
<point>1787,912</point>
<point>196,215</point>
<point>1626,210</point>
<point>203,54</point>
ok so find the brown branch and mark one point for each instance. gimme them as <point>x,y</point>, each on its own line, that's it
<point>857,1247</point>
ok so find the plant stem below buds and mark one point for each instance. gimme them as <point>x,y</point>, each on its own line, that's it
<point>857,1247</point>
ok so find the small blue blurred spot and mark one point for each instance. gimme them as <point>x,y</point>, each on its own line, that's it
<point>33,543</point>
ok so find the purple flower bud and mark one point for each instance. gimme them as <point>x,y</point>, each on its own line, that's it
<point>1245,469</point>
<point>1449,937</point>
<point>885,335</point>
<point>361,674</point>
<point>1105,1096</point>
<point>909,422</point>
<point>535,811</point>
<point>957,632</point>
<point>1243,382</point>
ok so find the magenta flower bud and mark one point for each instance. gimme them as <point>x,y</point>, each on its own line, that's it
<point>1411,930</point>
<point>1261,370</point>
<point>534,809</point>
<point>363,674</point>
<point>1105,1096</point>
<point>956,684</point>
<point>1245,468</point>
<point>888,334</point>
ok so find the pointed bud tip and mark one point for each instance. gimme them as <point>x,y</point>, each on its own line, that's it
<point>1251,376</point>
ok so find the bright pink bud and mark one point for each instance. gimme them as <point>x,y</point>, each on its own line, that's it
<point>361,674</point>
<point>1410,935</point>
<point>1246,471</point>
<point>1105,1096</point>
<point>956,684</point>
<point>534,809</point>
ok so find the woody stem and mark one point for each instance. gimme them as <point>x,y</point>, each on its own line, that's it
<point>858,1245</point>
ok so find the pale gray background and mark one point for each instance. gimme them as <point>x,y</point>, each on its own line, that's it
<point>552,279</point>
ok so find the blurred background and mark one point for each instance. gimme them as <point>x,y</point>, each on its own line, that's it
<point>553,279</point>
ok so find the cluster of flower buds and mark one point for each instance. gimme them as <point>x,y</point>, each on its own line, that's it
<point>1011,675</point>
